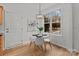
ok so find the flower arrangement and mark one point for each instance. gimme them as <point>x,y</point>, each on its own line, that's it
<point>40,29</point>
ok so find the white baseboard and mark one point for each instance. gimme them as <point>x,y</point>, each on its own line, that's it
<point>74,50</point>
<point>27,42</point>
<point>71,50</point>
<point>17,45</point>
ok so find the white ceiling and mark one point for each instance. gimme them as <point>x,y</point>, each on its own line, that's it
<point>47,5</point>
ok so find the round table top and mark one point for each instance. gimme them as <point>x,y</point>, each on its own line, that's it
<point>39,35</point>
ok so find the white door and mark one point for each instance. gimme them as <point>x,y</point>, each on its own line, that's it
<point>13,30</point>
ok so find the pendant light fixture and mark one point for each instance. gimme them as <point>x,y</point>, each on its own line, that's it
<point>39,15</point>
<point>40,18</point>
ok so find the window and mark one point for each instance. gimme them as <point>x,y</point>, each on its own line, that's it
<point>56,23</point>
<point>46,24</point>
<point>52,21</point>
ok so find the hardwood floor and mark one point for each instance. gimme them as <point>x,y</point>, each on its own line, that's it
<point>33,50</point>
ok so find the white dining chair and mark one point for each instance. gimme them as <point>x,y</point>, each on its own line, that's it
<point>47,40</point>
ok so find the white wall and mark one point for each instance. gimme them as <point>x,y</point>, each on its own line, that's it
<point>16,16</point>
<point>66,40</point>
<point>76,26</point>
<point>70,24</point>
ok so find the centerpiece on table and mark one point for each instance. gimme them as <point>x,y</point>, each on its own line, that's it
<point>40,29</point>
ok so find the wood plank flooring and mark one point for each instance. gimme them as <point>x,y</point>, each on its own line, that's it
<point>33,50</point>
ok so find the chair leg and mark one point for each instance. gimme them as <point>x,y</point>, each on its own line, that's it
<point>34,44</point>
<point>40,47</point>
<point>45,47</point>
<point>30,43</point>
<point>50,45</point>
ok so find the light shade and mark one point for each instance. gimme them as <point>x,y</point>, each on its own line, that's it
<point>39,16</point>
